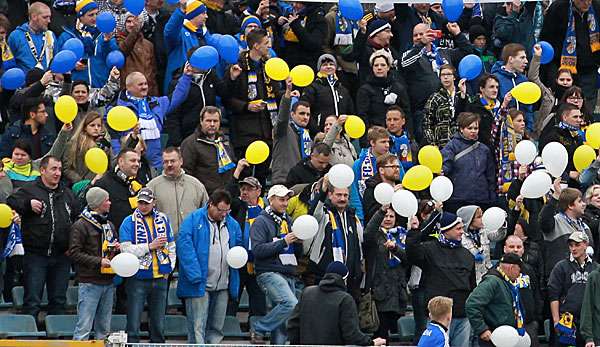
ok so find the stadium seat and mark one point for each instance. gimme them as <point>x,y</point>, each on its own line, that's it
<point>175,326</point>
<point>72,297</point>
<point>546,337</point>
<point>406,328</point>
<point>58,326</point>
<point>244,304</point>
<point>232,328</point>
<point>172,300</point>
<point>18,294</point>
<point>118,323</point>
<point>19,325</point>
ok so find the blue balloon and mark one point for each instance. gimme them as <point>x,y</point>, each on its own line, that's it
<point>105,22</point>
<point>13,79</point>
<point>547,52</point>
<point>63,62</point>
<point>204,58</point>
<point>470,67</point>
<point>453,9</point>
<point>228,49</point>
<point>74,45</point>
<point>172,2</point>
<point>134,6</point>
<point>115,59</point>
<point>213,39</point>
<point>351,9</point>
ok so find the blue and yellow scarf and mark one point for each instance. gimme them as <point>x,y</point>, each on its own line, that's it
<point>338,236</point>
<point>145,234</point>
<point>284,229</point>
<point>398,235</point>
<point>14,242</point>
<point>305,142</point>
<point>568,58</point>
<point>517,307</point>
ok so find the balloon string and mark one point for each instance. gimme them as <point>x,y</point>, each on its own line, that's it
<point>253,170</point>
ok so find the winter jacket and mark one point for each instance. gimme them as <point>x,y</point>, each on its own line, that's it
<point>473,175</point>
<point>362,49</point>
<point>589,326</point>
<point>446,271</point>
<point>85,250</point>
<point>591,175</point>
<point>153,29</point>
<point>406,19</point>
<point>222,22</point>
<point>96,71</point>
<point>193,249</point>
<point>119,197</point>
<point>177,197</point>
<point>22,131</point>
<point>326,99</point>
<point>19,46</point>
<point>441,112</point>
<point>591,217</point>
<point>46,233</point>
<point>548,98</point>
<point>267,246</point>
<point>139,57</point>
<point>286,144</point>
<point>515,28</point>
<point>375,97</point>
<point>509,80</point>
<point>570,140</point>
<point>303,172</point>
<point>337,322</point>
<point>200,160</point>
<point>310,29</point>
<point>567,282</point>
<point>490,305</point>
<point>342,149</point>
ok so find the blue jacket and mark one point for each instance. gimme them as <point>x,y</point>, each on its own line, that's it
<point>435,335</point>
<point>18,130</point>
<point>21,51</point>
<point>160,106</point>
<point>193,244</point>
<point>96,73</point>
<point>473,175</point>
<point>508,80</point>
<point>355,194</point>
<point>179,41</point>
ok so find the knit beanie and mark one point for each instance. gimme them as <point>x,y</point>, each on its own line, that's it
<point>475,31</point>
<point>95,197</point>
<point>325,58</point>
<point>467,213</point>
<point>337,267</point>
<point>448,221</point>
<point>377,26</point>
<point>249,20</point>
<point>194,8</point>
<point>84,6</point>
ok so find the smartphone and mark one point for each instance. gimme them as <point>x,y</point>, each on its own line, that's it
<point>437,33</point>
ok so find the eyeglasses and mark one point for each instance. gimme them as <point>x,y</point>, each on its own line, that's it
<point>222,210</point>
<point>574,98</point>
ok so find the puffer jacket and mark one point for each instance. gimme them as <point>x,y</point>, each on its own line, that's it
<point>371,98</point>
<point>326,99</point>
<point>509,80</point>
<point>473,175</point>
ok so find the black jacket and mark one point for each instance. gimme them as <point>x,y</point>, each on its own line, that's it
<point>336,322</point>
<point>153,31</point>
<point>533,302</point>
<point>568,139</point>
<point>485,124</point>
<point>119,197</point>
<point>311,37</point>
<point>21,131</point>
<point>326,100</point>
<point>221,22</point>
<point>370,99</point>
<point>592,219</point>
<point>303,173</point>
<point>370,205</point>
<point>46,233</point>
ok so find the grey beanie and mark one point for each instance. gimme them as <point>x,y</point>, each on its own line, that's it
<point>95,197</point>
<point>326,57</point>
<point>466,213</point>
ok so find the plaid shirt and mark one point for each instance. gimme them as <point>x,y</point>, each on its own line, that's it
<point>439,122</point>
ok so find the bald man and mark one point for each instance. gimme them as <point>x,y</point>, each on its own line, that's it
<point>32,44</point>
<point>151,112</point>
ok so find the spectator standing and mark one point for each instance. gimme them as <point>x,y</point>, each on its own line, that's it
<point>154,18</point>
<point>402,142</point>
<point>487,106</point>
<point>440,316</point>
<point>508,131</point>
<point>304,33</point>
<point>342,149</point>
<point>311,169</point>
<point>389,171</point>
<point>591,216</point>
<point>589,312</point>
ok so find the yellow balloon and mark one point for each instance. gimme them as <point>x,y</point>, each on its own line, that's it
<point>431,157</point>
<point>582,158</point>
<point>121,118</point>
<point>277,69</point>
<point>592,135</point>
<point>6,216</point>
<point>302,75</point>
<point>257,152</point>
<point>96,160</point>
<point>65,109</point>
<point>527,93</point>
<point>355,127</point>
<point>417,178</point>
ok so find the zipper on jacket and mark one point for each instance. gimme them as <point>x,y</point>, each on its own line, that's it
<point>336,99</point>
<point>51,199</point>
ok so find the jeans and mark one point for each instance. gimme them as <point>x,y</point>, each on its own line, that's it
<point>256,297</point>
<point>460,332</point>
<point>50,271</point>
<point>419,312</point>
<point>138,291</point>
<point>206,317</point>
<point>282,291</point>
<point>94,306</point>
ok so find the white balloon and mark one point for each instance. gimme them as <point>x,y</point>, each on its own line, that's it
<point>405,203</point>
<point>555,158</point>
<point>525,152</point>
<point>305,227</point>
<point>125,264</point>
<point>237,257</point>
<point>505,336</point>
<point>441,188</point>
<point>536,185</point>
<point>493,218</point>
<point>341,176</point>
<point>383,193</point>
<point>524,341</point>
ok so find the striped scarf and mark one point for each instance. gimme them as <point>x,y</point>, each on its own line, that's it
<point>283,227</point>
<point>568,58</point>
<point>517,307</point>
<point>14,242</point>
<point>339,238</point>
<point>508,168</point>
<point>398,235</point>
<point>145,234</point>
<point>305,142</point>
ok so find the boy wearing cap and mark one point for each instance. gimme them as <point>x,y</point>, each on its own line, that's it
<point>94,241</point>
<point>275,248</point>
<point>496,301</point>
<point>566,288</point>
<point>147,234</point>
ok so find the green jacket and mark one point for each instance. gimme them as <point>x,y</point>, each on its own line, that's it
<point>490,304</point>
<point>589,324</point>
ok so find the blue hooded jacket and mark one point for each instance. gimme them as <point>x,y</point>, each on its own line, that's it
<point>509,80</point>
<point>21,51</point>
<point>193,245</point>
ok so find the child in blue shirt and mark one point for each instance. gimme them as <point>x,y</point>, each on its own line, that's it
<point>440,315</point>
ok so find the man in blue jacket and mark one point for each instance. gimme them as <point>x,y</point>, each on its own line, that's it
<point>204,239</point>
<point>32,44</point>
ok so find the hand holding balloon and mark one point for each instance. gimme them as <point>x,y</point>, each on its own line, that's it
<point>291,238</point>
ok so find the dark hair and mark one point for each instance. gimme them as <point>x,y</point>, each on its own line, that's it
<point>565,108</point>
<point>513,112</point>
<point>300,103</point>
<point>80,83</point>
<point>484,79</point>
<point>396,108</point>
<point>467,118</point>
<point>46,160</point>
<point>124,152</point>
<point>511,50</point>
<point>426,207</point>
<point>211,110</point>
<point>447,67</point>
<point>320,148</point>
<point>567,198</point>
<point>172,149</point>
<point>255,36</point>
<point>30,105</point>
<point>5,23</point>
<point>573,90</point>
<point>219,196</point>
<point>384,159</point>
<point>23,145</point>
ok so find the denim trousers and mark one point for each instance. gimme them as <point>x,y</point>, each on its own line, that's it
<point>460,332</point>
<point>206,317</point>
<point>138,291</point>
<point>282,291</point>
<point>50,271</point>
<point>94,307</point>
<point>256,298</point>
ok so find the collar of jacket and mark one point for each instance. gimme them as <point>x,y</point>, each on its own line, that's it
<point>176,178</point>
<point>332,283</point>
<point>58,190</point>
<point>201,137</point>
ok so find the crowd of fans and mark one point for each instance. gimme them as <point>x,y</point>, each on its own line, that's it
<point>179,192</point>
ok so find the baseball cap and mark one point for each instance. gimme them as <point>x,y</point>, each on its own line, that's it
<point>251,181</point>
<point>145,195</point>
<point>579,236</point>
<point>511,258</point>
<point>280,191</point>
